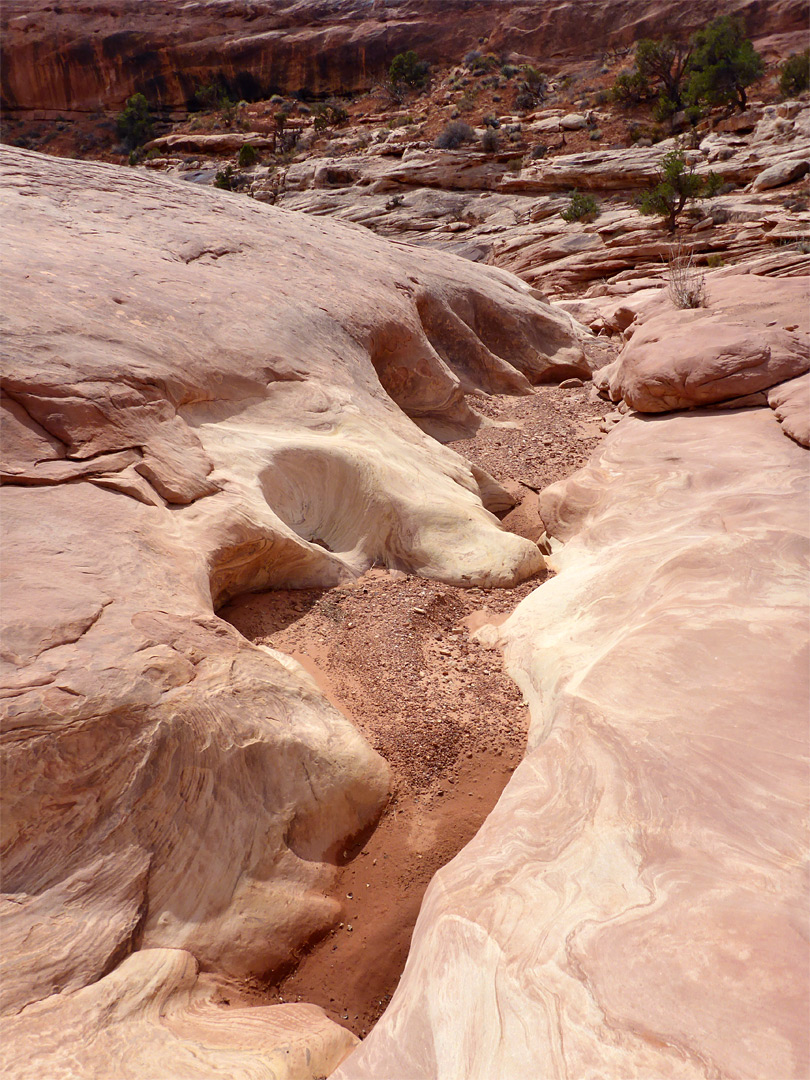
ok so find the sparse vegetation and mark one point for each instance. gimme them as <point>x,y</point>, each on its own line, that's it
<point>479,64</point>
<point>134,124</point>
<point>685,282</point>
<point>676,186</point>
<point>456,134</point>
<point>329,115</point>
<point>723,63</point>
<point>581,207</point>
<point>408,71</point>
<point>490,141</point>
<point>794,75</point>
<point>247,156</point>
<point>713,68</point>
<point>224,179</point>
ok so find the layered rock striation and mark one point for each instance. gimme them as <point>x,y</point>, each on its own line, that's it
<point>97,53</point>
<point>203,395</point>
<point>636,904</point>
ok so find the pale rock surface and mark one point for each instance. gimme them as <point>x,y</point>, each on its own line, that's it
<point>791,405</point>
<point>753,334</point>
<point>152,1017</point>
<point>636,904</point>
<point>785,172</point>
<point>204,395</point>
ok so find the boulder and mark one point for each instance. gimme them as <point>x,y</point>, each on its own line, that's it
<point>791,404</point>
<point>784,172</point>
<point>680,359</point>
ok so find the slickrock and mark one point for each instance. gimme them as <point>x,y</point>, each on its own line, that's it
<point>753,334</point>
<point>791,403</point>
<point>635,905</point>
<point>205,395</point>
<point>152,1017</point>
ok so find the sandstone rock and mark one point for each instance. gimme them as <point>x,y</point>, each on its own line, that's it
<point>637,899</point>
<point>791,404</point>
<point>202,396</point>
<point>573,122</point>
<point>592,170</point>
<point>682,359</point>
<point>152,1017</point>
<point>785,172</point>
<point>65,58</point>
<point>226,143</point>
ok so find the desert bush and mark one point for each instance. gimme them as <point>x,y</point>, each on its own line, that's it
<point>524,100</point>
<point>328,115</point>
<point>247,156</point>
<point>685,282</point>
<point>490,141</point>
<point>454,135</point>
<point>723,63</point>
<point>134,124</point>
<point>676,186</point>
<point>631,88</point>
<point>479,64</point>
<point>715,260</point>
<point>491,122</point>
<point>581,207</point>
<point>224,179</point>
<point>595,135</point>
<point>794,74</point>
<point>409,71</point>
<point>509,70</point>
<point>538,151</point>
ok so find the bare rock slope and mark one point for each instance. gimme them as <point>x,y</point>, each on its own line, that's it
<point>205,395</point>
<point>636,903</point>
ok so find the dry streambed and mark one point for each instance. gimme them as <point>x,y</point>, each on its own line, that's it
<point>395,654</point>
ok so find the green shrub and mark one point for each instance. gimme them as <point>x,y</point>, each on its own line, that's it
<point>224,179</point>
<point>715,260</point>
<point>723,63</point>
<point>329,115</point>
<point>794,74</point>
<point>676,186</point>
<point>538,151</point>
<point>247,156</point>
<point>630,89</point>
<point>581,207</point>
<point>134,124</point>
<point>454,135</point>
<point>408,70</point>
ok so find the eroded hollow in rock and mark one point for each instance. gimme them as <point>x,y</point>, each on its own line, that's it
<point>394,654</point>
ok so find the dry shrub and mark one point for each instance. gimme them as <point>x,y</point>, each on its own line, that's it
<point>686,282</point>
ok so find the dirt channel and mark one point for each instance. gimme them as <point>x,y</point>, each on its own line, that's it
<point>394,653</point>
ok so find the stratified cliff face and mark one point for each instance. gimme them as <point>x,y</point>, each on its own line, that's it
<point>86,56</point>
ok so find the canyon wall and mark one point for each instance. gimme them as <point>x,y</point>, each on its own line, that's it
<point>92,55</point>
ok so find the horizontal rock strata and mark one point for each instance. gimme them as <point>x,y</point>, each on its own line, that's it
<point>77,58</point>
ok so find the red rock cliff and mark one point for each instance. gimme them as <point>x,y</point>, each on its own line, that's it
<point>87,55</point>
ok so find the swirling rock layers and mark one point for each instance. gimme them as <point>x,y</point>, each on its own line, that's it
<point>636,904</point>
<point>196,394</point>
